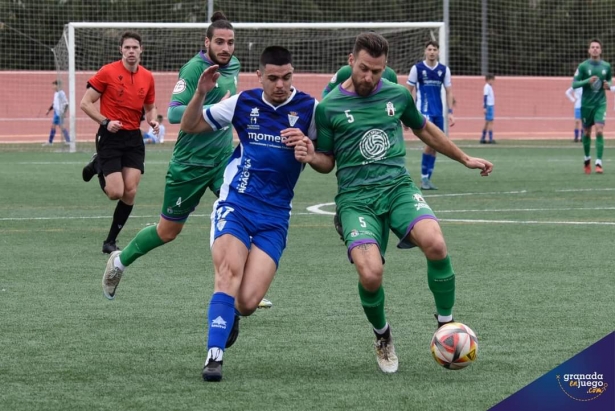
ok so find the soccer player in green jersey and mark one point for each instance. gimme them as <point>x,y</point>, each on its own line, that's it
<point>345,72</point>
<point>359,128</point>
<point>594,76</point>
<point>342,75</point>
<point>198,160</point>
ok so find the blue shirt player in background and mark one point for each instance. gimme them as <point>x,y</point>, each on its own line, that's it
<point>250,220</point>
<point>425,82</point>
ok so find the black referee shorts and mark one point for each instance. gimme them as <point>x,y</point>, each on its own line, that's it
<point>124,149</point>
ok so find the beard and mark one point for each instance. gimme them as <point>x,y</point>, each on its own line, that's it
<point>217,61</point>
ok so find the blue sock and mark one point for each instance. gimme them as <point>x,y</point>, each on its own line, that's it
<point>66,136</point>
<point>220,318</point>
<point>484,134</point>
<point>425,164</point>
<point>432,165</point>
<point>52,134</point>
<point>576,133</point>
<point>490,135</point>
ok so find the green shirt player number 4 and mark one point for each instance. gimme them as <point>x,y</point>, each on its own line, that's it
<point>367,131</point>
<point>593,101</point>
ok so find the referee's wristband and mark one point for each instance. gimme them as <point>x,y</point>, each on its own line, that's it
<point>450,111</point>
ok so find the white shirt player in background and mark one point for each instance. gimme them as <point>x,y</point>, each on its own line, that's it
<point>425,82</point>
<point>59,107</point>
<point>151,137</point>
<point>488,109</point>
<point>574,95</point>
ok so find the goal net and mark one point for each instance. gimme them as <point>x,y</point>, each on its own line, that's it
<point>319,50</point>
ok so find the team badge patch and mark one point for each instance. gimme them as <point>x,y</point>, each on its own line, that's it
<point>292,118</point>
<point>180,86</point>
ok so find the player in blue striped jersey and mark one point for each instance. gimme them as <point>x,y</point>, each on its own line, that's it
<point>250,220</point>
<point>425,82</point>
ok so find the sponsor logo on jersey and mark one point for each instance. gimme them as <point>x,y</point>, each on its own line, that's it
<point>604,72</point>
<point>244,176</point>
<point>390,109</point>
<point>374,145</point>
<point>293,116</point>
<point>418,198</point>
<point>180,86</point>
<point>254,119</point>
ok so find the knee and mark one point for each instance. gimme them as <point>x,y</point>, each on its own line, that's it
<point>113,193</point>
<point>435,248</point>
<point>129,194</point>
<point>370,278</point>
<point>247,308</point>
<point>168,235</point>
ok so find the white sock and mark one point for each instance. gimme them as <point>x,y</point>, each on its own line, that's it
<point>587,158</point>
<point>599,162</point>
<point>445,318</point>
<point>118,264</point>
<point>215,354</point>
<point>382,330</point>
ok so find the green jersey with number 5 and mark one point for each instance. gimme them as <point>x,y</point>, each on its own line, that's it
<point>365,134</point>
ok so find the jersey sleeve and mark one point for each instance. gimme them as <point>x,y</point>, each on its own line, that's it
<point>570,94</point>
<point>447,78</point>
<point>609,75</point>
<point>411,116</point>
<point>312,133</point>
<point>324,142</point>
<point>220,115</point>
<point>412,77</point>
<point>390,74</point>
<point>99,80</point>
<point>186,84</point>
<point>579,79</point>
<point>342,75</point>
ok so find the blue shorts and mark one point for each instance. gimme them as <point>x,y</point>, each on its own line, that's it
<point>437,120</point>
<point>577,113</point>
<point>152,138</point>
<point>265,231</point>
<point>57,120</point>
<point>489,113</point>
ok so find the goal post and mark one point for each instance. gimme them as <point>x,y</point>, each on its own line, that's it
<point>318,49</point>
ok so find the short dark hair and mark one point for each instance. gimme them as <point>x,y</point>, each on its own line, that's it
<point>432,43</point>
<point>490,76</point>
<point>159,118</point>
<point>218,21</point>
<point>594,40</point>
<point>56,82</point>
<point>276,55</point>
<point>373,43</point>
<point>130,35</point>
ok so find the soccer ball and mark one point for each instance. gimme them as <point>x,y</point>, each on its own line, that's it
<point>454,346</point>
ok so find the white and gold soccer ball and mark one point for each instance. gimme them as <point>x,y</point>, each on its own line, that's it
<point>454,346</point>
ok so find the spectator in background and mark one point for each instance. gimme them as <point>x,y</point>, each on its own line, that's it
<point>59,107</point>
<point>488,108</point>
<point>151,137</point>
<point>574,95</point>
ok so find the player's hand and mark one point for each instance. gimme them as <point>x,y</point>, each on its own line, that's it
<point>155,126</point>
<point>208,79</point>
<point>304,150</point>
<point>451,120</point>
<point>593,79</point>
<point>291,136</point>
<point>483,165</point>
<point>605,85</point>
<point>114,126</point>
<point>485,111</point>
<point>47,113</point>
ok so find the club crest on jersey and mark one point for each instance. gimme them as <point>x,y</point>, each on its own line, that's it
<point>390,109</point>
<point>439,72</point>
<point>293,116</point>
<point>180,86</point>
<point>424,73</point>
<point>254,119</point>
<point>603,72</point>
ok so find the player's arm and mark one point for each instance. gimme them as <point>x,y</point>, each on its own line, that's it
<point>436,139</point>
<point>306,152</point>
<point>150,116</point>
<point>570,94</point>
<point>448,88</point>
<point>606,84</point>
<point>412,81</point>
<point>579,79</point>
<point>90,97</point>
<point>193,120</point>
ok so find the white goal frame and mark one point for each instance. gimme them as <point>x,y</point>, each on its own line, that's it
<point>70,42</point>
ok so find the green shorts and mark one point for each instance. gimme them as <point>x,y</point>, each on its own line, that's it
<point>368,214</point>
<point>591,115</point>
<point>185,185</point>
